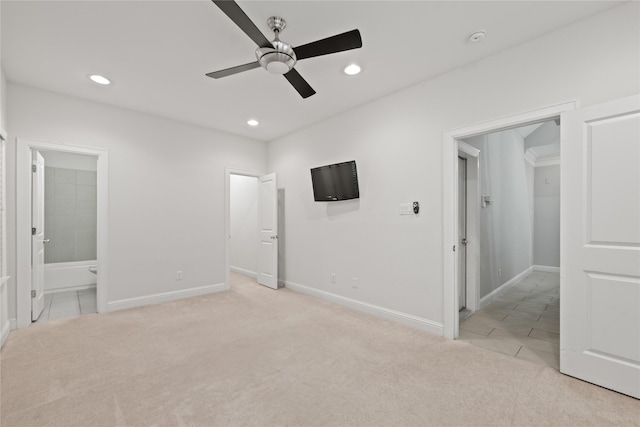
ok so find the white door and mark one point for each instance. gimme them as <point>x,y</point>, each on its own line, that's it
<point>600,245</point>
<point>37,236</point>
<point>462,233</point>
<point>268,223</point>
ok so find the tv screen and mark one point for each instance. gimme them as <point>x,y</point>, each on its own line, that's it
<point>335,182</point>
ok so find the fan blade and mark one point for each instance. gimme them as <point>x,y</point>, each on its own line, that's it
<point>300,84</point>
<point>233,11</point>
<point>341,42</point>
<point>233,70</point>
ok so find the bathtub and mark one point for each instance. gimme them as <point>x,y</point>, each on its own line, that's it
<point>69,275</point>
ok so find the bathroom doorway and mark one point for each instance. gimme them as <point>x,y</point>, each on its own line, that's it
<point>69,207</point>
<point>61,207</point>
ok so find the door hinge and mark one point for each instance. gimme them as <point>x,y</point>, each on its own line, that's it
<point>454,248</point>
<point>33,294</point>
<point>33,231</point>
<point>33,168</point>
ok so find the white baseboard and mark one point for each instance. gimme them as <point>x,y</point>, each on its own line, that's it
<point>244,271</point>
<point>164,297</point>
<point>4,334</point>
<point>72,288</point>
<point>546,268</point>
<point>486,300</point>
<point>385,313</point>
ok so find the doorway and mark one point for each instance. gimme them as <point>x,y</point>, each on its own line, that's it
<point>251,224</point>
<point>30,207</point>
<point>67,235</point>
<point>450,182</point>
<point>518,312</point>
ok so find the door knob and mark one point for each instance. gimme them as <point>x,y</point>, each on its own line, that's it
<point>464,241</point>
<point>46,240</point>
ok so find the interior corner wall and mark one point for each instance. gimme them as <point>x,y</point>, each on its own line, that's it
<point>547,216</point>
<point>166,188</point>
<point>506,222</point>
<point>243,210</point>
<point>397,143</point>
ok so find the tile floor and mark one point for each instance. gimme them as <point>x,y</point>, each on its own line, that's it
<point>67,304</point>
<point>523,321</point>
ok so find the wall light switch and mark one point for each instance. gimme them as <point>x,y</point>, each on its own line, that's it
<point>406,208</point>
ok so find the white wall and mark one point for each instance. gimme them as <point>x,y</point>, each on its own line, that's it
<point>4,303</point>
<point>397,142</point>
<point>243,209</point>
<point>166,188</point>
<point>546,224</point>
<point>506,223</point>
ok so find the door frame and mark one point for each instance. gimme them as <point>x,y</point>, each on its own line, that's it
<point>23,222</point>
<point>450,197</point>
<point>227,218</point>
<point>472,156</point>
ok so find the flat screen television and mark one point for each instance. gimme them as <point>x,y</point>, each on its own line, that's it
<point>335,182</point>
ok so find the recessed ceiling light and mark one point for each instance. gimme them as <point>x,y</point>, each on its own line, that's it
<point>477,36</point>
<point>101,80</point>
<point>352,70</point>
<point>253,122</point>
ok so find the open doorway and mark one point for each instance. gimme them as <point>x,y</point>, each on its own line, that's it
<point>244,235</point>
<point>453,146</point>
<point>252,228</point>
<point>519,243</point>
<point>69,208</point>
<point>77,266</point>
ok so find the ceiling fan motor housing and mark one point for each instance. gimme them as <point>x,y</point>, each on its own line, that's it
<point>280,59</point>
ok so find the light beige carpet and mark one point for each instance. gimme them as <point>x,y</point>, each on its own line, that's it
<point>255,356</point>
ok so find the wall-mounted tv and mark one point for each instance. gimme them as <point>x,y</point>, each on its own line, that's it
<point>335,182</point>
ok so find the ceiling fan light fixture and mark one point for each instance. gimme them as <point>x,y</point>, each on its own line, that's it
<point>277,60</point>
<point>352,70</point>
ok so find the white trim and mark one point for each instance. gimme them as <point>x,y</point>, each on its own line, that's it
<point>227,218</point>
<point>487,299</point>
<point>23,222</point>
<point>530,158</point>
<point>244,271</point>
<point>123,304</point>
<point>4,334</point>
<point>468,149</point>
<point>449,197</point>
<point>546,268</point>
<point>385,313</point>
<point>69,288</point>
<point>473,202</point>
<point>552,161</point>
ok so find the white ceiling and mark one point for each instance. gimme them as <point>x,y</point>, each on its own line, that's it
<point>157,52</point>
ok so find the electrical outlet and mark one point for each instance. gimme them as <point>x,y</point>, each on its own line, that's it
<point>333,277</point>
<point>354,282</point>
<point>499,272</point>
<point>179,275</point>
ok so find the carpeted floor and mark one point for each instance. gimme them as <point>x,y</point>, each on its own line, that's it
<point>255,356</point>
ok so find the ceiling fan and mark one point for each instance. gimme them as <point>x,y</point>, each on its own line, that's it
<point>277,56</point>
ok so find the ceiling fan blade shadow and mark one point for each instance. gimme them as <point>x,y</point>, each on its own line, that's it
<point>338,43</point>
<point>233,70</point>
<point>237,15</point>
<point>300,84</point>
